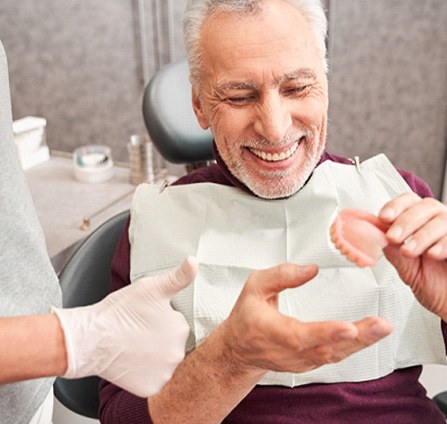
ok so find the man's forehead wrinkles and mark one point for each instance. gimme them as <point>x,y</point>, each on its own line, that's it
<point>300,73</point>
<point>297,74</point>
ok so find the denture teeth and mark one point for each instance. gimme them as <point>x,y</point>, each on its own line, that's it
<point>275,157</point>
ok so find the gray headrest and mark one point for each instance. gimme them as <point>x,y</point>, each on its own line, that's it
<point>170,119</point>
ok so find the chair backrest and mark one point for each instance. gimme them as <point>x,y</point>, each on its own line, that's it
<point>84,280</point>
<point>170,119</point>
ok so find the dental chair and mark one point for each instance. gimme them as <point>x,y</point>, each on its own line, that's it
<point>85,279</point>
<point>170,119</point>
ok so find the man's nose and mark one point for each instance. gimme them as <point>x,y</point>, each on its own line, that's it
<point>273,118</point>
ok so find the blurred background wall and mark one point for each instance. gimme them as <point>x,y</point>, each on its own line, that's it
<point>388,82</point>
<point>82,64</point>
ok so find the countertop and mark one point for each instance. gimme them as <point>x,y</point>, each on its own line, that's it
<point>62,202</point>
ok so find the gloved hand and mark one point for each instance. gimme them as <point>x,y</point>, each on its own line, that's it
<point>132,338</point>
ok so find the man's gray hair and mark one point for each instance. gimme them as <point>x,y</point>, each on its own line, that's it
<point>198,10</point>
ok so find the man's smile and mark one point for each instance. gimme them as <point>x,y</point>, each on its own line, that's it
<point>277,156</point>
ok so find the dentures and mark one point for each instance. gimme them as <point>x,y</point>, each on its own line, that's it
<point>359,235</point>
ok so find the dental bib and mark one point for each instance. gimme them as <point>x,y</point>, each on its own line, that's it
<point>233,233</point>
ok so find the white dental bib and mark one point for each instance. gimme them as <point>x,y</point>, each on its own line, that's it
<point>233,233</point>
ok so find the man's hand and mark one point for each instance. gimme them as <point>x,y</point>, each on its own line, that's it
<point>258,337</point>
<point>133,337</point>
<point>418,247</point>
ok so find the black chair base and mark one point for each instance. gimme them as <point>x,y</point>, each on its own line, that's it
<point>441,401</point>
<point>80,396</point>
<point>84,280</point>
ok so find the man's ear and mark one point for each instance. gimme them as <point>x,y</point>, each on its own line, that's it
<point>197,106</point>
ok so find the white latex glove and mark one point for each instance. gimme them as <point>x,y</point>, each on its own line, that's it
<point>132,338</point>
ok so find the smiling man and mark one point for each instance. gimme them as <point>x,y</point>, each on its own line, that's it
<point>262,88</point>
<point>344,345</point>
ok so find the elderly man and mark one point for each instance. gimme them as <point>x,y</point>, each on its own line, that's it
<point>259,353</point>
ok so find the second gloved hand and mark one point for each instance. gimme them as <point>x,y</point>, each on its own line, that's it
<point>132,338</point>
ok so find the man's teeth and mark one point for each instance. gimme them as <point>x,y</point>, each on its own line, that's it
<point>275,157</point>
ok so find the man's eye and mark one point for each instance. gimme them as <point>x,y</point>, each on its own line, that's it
<point>296,90</point>
<point>240,100</point>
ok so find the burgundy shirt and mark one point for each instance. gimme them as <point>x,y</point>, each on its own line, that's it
<point>398,398</point>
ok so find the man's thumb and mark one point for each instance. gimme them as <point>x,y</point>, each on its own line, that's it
<point>284,276</point>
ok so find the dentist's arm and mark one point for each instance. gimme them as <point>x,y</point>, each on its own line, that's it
<point>31,347</point>
<point>132,338</point>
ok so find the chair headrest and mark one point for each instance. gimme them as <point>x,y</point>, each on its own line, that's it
<point>170,119</point>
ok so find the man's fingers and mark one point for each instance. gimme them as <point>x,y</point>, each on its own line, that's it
<point>364,332</point>
<point>301,346</point>
<point>433,235</point>
<point>369,331</point>
<point>392,209</point>
<point>419,225</point>
<point>313,334</point>
<point>271,281</point>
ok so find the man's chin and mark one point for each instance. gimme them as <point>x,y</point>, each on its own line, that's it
<point>279,190</point>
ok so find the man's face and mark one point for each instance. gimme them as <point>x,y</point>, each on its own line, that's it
<point>263,92</point>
